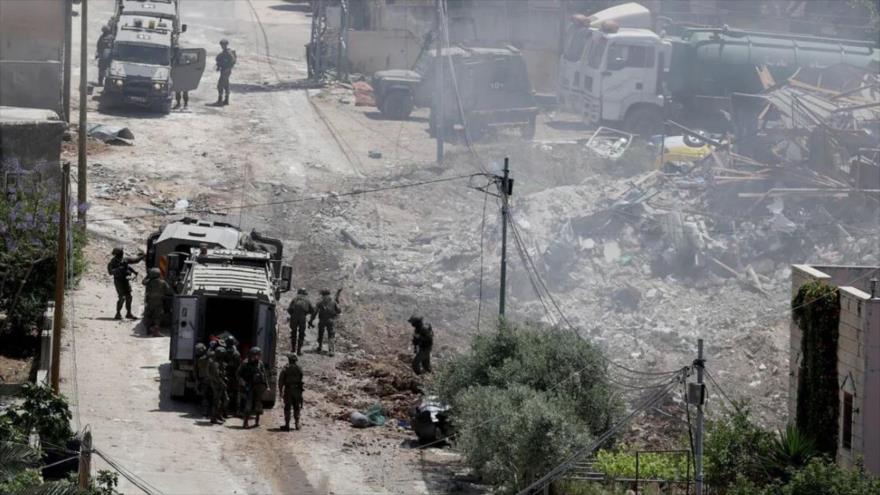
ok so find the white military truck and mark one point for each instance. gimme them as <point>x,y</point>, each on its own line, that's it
<point>225,281</point>
<point>147,62</point>
<point>618,68</point>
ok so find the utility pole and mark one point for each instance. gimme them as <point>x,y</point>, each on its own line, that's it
<point>83,104</point>
<point>60,278</point>
<point>700,397</point>
<point>506,189</point>
<point>68,42</point>
<point>85,461</point>
<point>438,109</point>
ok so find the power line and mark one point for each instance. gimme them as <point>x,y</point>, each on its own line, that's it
<point>135,480</point>
<point>321,197</point>
<point>482,234</point>
<point>720,389</point>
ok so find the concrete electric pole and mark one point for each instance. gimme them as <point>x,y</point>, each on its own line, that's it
<point>698,396</point>
<point>68,55</point>
<point>437,111</point>
<point>83,123</point>
<point>505,189</point>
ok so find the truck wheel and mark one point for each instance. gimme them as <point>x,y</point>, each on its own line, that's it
<point>528,131</point>
<point>397,105</point>
<point>644,121</point>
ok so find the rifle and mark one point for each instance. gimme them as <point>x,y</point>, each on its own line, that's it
<point>338,292</point>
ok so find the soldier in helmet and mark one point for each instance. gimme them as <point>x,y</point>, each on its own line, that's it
<point>202,384</point>
<point>225,62</point>
<point>423,341</point>
<point>217,373</point>
<point>300,308</point>
<point>254,381</point>
<point>120,270</point>
<point>327,310</point>
<point>103,52</point>
<point>233,362</point>
<point>290,388</point>
<point>156,289</point>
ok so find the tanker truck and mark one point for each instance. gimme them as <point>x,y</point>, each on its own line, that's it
<point>226,282</point>
<point>616,69</point>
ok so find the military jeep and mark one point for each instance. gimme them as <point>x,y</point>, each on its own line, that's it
<point>493,84</point>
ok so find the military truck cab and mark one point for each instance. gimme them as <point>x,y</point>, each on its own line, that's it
<point>225,281</point>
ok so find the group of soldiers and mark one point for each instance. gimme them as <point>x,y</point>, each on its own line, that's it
<point>224,62</point>
<point>327,310</point>
<point>156,290</point>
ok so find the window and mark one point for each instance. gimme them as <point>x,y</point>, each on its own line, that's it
<point>846,438</point>
<point>144,54</point>
<point>596,51</point>
<point>576,45</point>
<point>620,56</point>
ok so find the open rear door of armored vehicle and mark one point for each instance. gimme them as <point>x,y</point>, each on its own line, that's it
<point>184,333</point>
<point>189,65</point>
<point>266,338</point>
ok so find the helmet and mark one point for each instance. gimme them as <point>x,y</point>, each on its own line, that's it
<point>325,292</point>
<point>415,318</point>
<point>105,28</point>
<point>224,42</point>
<point>220,351</point>
<point>117,251</point>
<point>200,348</point>
<point>254,351</point>
<point>291,357</point>
<point>154,273</point>
<point>230,340</point>
<point>302,291</point>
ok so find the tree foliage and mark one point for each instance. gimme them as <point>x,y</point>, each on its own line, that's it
<point>523,399</point>
<point>40,410</point>
<point>736,446</point>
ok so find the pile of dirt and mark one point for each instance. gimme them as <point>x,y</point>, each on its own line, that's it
<point>385,382</point>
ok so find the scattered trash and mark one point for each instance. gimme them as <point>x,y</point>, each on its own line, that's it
<point>430,420</point>
<point>374,416</point>
<point>111,134</point>
<point>363,95</point>
<point>181,205</point>
<point>609,143</point>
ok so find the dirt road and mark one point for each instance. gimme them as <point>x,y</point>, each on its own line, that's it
<point>268,145</point>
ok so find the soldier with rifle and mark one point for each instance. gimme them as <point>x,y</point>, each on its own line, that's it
<point>119,268</point>
<point>327,310</point>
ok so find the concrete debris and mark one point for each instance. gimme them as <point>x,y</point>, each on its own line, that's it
<point>111,134</point>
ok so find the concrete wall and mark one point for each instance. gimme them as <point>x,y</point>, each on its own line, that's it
<point>371,51</point>
<point>30,140</point>
<point>31,53</point>
<point>858,357</point>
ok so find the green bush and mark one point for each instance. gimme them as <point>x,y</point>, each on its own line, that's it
<point>28,243</point>
<point>652,465</point>
<point>523,399</point>
<point>736,446</point>
<point>823,477</point>
<point>41,410</point>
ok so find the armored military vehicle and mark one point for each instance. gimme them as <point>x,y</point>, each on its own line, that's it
<point>147,62</point>
<point>226,282</point>
<point>493,84</point>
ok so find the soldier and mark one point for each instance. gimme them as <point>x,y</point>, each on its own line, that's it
<point>254,380</point>
<point>103,52</point>
<point>202,384</point>
<point>217,373</point>
<point>423,340</point>
<point>120,270</point>
<point>300,308</point>
<point>233,362</point>
<point>156,289</point>
<point>290,388</point>
<point>327,310</point>
<point>225,62</point>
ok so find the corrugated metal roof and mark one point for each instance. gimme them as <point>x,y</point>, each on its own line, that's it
<point>215,277</point>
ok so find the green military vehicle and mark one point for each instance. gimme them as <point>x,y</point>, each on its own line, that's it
<point>493,84</point>
<point>226,282</point>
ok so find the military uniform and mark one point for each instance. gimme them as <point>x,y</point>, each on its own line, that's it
<point>300,308</point>
<point>201,375</point>
<point>233,388</point>
<point>103,53</point>
<point>225,62</point>
<point>327,310</point>
<point>290,388</point>
<point>119,268</point>
<point>254,380</point>
<point>217,382</point>
<point>156,289</point>
<point>423,341</point>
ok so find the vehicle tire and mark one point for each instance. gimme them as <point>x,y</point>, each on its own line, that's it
<point>644,121</point>
<point>692,141</point>
<point>528,131</point>
<point>397,105</point>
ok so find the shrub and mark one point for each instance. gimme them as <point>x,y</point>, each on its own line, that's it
<point>735,446</point>
<point>28,243</point>
<point>524,399</point>
<point>43,411</point>
<point>652,465</point>
<point>823,477</point>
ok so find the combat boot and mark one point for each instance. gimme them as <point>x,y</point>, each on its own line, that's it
<point>219,98</point>
<point>257,421</point>
<point>246,421</point>
<point>226,100</point>
<point>117,317</point>
<point>297,424</point>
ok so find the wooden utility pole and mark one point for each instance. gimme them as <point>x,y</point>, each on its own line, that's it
<point>438,110</point>
<point>83,103</point>
<point>68,55</point>
<point>60,278</point>
<point>85,461</point>
<point>505,189</point>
